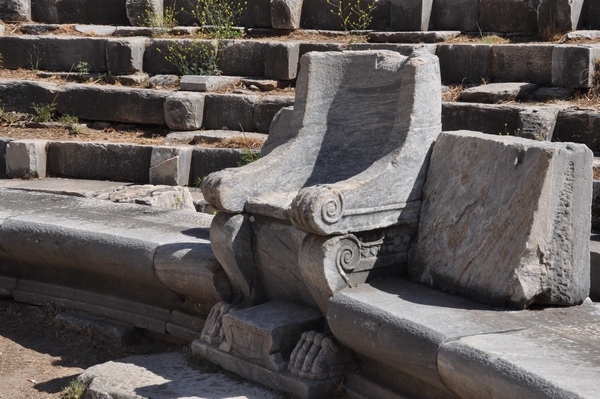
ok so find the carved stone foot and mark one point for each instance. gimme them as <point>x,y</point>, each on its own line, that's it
<point>212,333</point>
<point>318,357</point>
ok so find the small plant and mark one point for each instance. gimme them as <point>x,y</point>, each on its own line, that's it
<point>198,181</point>
<point>159,23</point>
<point>75,390</point>
<point>353,14</point>
<point>82,68</point>
<point>1,61</point>
<point>516,132</point>
<point>44,112</point>
<point>198,58</point>
<point>34,57</point>
<point>247,157</point>
<point>68,119</point>
<point>218,17</point>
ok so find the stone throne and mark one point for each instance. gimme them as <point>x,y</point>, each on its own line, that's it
<point>333,202</point>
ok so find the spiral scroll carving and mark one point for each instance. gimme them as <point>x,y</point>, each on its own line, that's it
<point>347,255</point>
<point>333,208</point>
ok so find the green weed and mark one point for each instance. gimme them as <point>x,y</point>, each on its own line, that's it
<point>75,390</point>
<point>82,68</point>
<point>353,14</point>
<point>157,22</point>
<point>247,157</point>
<point>44,112</point>
<point>34,57</point>
<point>219,17</point>
<point>198,58</point>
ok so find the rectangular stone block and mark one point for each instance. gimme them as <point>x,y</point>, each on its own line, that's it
<point>206,83</point>
<point>107,12</point>
<point>125,56</point>
<point>579,126</point>
<point>208,160</point>
<point>492,119</point>
<point>170,166</point>
<point>592,14</point>
<point>234,111</point>
<point>516,233</point>
<point>119,104</point>
<point>53,53</point>
<point>507,16</point>
<point>99,161</point>
<point>157,51</point>
<point>266,108</point>
<point>317,14</point>
<point>281,61</point>
<point>19,95</point>
<point>26,159</point>
<point>285,14</point>
<point>465,63</point>
<point>455,15</point>
<point>184,111</point>
<point>410,15</point>
<point>44,11</point>
<point>530,63</point>
<point>595,263</point>
<point>3,143</point>
<point>242,57</point>
<point>574,66</point>
<point>257,14</point>
<point>559,16</point>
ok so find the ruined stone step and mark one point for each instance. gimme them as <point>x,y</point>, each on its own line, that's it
<point>560,65</point>
<point>180,165</point>
<point>130,263</point>
<point>178,110</point>
<point>476,351</point>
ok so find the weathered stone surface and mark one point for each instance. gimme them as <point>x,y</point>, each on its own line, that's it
<point>53,53</point>
<point>167,375</point>
<point>538,123</point>
<point>154,56</point>
<point>528,362</point>
<point>242,57</point>
<point>73,187</point>
<point>208,160</point>
<point>410,15</point>
<point>167,197</point>
<point>99,161</point>
<point>579,126</point>
<point>170,165</point>
<point>285,14</point>
<point>317,14</point>
<point>15,10</point>
<point>125,31</point>
<point>163,80</point>
<point>232,111</point>
<point>595,249</point>
<point>257,14</point>
<point>39,29</point>
<point>140,10</point>
<point>542,259</point>
<point>214,136</point>
<point>497,92</point>
<point>574,66</point>
<point>3,143</point>
<point>559,16</point>
<point>506,16</point>
<point>320,173</point>
<point>26,159</point>
<point>100,30</point>
<point>206,83</point>
<point>465,63</point>
<point>261,84</point>
<point>455,15</point>
<point>582,34</point>
<point>275,326</point>
<point>184,111</point>
<point>44,11</point>
<point>265,109</point>
<point>278,131</point>
<point>136,79</point>
<point>412,37</point>
<point>281,60</point>
<point>119,104</point>
<point>109,12</point>
<point>125,56</point>
<point>522,63</point>
<point>552,93</point>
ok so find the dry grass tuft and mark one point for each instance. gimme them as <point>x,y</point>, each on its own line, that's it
<point>453,93</point>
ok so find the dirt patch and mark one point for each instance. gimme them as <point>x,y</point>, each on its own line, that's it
<point>39,357</point>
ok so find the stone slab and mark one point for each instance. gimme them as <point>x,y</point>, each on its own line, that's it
<point>579,126</point>
<point>15,10</point>
<point>170,165</point>
<point>574,66</point>
<point>560,16</point>
<point>556,358</point>
<point>99,161</point>
<point>583,35</point>
<point>500,16</point>
<point>161,196</point>
<point>285,14</point>
<point>3,143</point>
<point>460,15</point>
<point>465,63</point>
<point>281,60</point>
<point>214,136</point>
<point>410,15</point>
<point>110,12</point>
<point>184,111</point>
<point>233,111</point>
<point>497,92</point>
<point>265,109</point>
<point>242,57</point>
<point>125,56</point>
<point>552,93</point>
<point>73,187</point>
<point>208,160</point>
<point>412,37</point>
<point>544,258</point>
<point>522,63</point>
<point>98,30</point>
<point>109,331</point>
<point>206,83</point>
<point>26,159</point>
<point>595,268</point>
<point>166,376</point>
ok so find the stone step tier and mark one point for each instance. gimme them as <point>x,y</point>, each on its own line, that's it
<point>561,65</point>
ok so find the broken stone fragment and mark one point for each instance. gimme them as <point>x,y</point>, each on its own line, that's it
<point>506,221</point>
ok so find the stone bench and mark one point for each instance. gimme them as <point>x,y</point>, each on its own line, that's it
<point>149,267</point>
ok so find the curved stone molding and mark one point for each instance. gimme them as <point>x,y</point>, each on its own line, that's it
<point>344,167</point>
